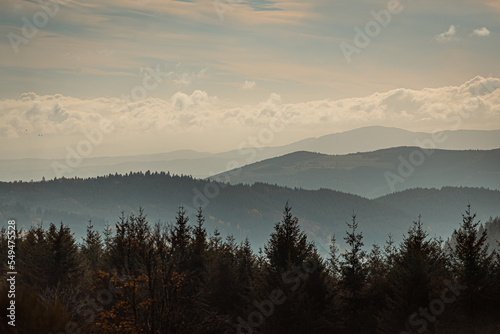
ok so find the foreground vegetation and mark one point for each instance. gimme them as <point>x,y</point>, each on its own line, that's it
<point>136,277</point>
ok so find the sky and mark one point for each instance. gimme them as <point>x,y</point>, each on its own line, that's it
<point>149,76</point>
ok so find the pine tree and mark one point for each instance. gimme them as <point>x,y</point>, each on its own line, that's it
<point>222,280</point>
<point>292,263</point>
<point>334,307</point>
<point>246,263</point>
<point>118,246</point>
<point>377,284</point>
<point>333,259</point>
<point>92,248</point>
<point>65,263</point>
<point>180,238</point>
<point>353,276</point>
<point>107,247</point>
<point>472,264</point>
<point>198,244</point>
<point>288,245</point>
<point>34,258</point>
<point>376,265</point>
<point>416,276</point>
<point>389,252</point>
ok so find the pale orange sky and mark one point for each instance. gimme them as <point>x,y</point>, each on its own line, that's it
<point>225,76</point>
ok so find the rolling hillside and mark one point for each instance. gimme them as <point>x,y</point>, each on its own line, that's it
<point>240,209</point>
<point>374,174</point>
<point>204,164</point>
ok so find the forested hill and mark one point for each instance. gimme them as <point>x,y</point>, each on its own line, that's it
<point>242,210</point>
<point>377,173</point>
<point>204,164</point>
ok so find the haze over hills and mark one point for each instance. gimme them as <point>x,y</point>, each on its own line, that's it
<point>204,164</point>
<point>302,129</point>
<point>374,174</point>
<point>378,137</point>
<point>239,209</point>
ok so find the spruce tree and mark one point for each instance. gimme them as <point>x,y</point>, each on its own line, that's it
<point>418,273</point>
<point>353,277</point>
<point>333,259</point>
<point>472,265</point>
<point>334,307</point>
<point>288,245</point>
<point>65,265</point>
<point>92,248</point>
<point>292,263</point>
<point>34,258</point>
<point>198,244</point>
<point>376,284</point>
<point>180,238</point>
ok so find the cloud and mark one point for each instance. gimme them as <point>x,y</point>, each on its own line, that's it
<point>448,36</point>
<point>426,109</point>
<point>187,78</point>
<point>451,34</point>
<point>249,84</point>
<point>209,123</point>
<point>483,32</point>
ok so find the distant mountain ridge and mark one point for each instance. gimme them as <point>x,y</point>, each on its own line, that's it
<point>204,164</point>
<point>377,173</point>
<point>378,137</point>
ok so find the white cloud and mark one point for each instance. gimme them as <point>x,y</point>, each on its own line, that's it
<point>448,36</point>
<point>208,122</point>
<point>187,78</point>
<point>249,84</point>
<point>483,32</point>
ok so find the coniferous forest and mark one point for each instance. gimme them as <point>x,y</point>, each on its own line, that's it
<point>143,277</point>
<point>249,167</point>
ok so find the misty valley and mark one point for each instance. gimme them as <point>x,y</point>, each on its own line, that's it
<point>276,248</point>
<point>249,167</point>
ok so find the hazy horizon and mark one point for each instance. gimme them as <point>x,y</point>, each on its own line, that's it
<point>154,77</point>
<point>151,152</point>
<point>51,123</point>
<point>62,153</point>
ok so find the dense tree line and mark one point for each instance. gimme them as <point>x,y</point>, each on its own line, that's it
<point>138,277</point>
<point>245,210</point>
